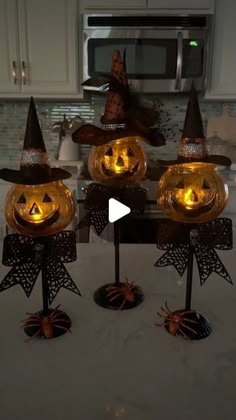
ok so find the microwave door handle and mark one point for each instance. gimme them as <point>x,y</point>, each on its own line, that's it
<point>179,60</point>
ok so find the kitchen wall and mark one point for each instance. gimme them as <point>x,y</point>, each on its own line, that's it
<point>172,109</point>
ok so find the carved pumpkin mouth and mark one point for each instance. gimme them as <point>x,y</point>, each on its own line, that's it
<point>194,212</point>
<point>126,174</point>
<point>40,224</point>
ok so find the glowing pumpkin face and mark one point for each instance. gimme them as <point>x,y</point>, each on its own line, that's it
<point>39,210</point>
<point>192,192</point>
<point>119,162</point>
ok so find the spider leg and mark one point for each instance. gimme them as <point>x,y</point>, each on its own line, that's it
<point>30,319</point>
<point>62,328</point>
<point>54,315</point>
<point>189,320</point>
<point>167,308</point>
<point>161,325</point>
<point>36,318</point>
<point>164,316</point>
<point>188,328</point>
<point>166,312</point>
<point>123,303</point>
<point>113,292</point>
<point>32,314</point>
<point>33,336</point>
<point>126,280</point>
<point>115,297</point>
<point>60,320</point>
<point>183,334</point>
<point>30,325</point>
<point>187,312</point>
<point>57,308</point>
<point>111,288</point>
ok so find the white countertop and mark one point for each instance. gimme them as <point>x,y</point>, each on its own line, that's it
<point>119,364</point>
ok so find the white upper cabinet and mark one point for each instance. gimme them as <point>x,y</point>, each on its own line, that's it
<point>222,75</point>
<point>38,40</point>
<point>47,45</point>
<point>114,4</point>
<point>9,48</point>
<point>181,4</point>
<point>167,5</point>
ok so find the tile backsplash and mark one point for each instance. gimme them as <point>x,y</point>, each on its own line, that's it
<point>13,115</point>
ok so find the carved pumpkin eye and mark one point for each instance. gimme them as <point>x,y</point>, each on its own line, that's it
<point>180,185</point>
<point>22,199</point>
<point>205,185</point>
<point>109,152</point>
<point>130,153</point>
<point>46,198</point>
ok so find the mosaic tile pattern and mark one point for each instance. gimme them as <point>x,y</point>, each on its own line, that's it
<point>13,120</point>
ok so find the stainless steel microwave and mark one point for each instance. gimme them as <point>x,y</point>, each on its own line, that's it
<point>163,53</point>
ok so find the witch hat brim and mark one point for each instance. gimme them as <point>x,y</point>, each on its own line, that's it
<point>95,136</point>
<point>193,143</point>
<point>34,165</point>
<point>35,176</point>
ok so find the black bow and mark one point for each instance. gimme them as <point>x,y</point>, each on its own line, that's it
<point>179,239</point>
<point>96,201</point>
<point>28,256</point>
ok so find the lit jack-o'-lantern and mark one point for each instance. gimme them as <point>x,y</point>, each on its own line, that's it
<point>119,162</point>
<point>39,210</point>
<point>192,192</point>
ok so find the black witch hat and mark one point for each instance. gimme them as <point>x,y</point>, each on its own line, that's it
<point>123,111</point>
<point>193,147</point>
<point>34,165</point>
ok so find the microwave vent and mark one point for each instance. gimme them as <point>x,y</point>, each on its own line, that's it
<point>148,21</point>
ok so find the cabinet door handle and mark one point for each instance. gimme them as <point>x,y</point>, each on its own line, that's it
<point>23,72</point>
<point>14,75</point>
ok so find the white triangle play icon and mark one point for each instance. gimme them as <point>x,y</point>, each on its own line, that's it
<point>117,210</point>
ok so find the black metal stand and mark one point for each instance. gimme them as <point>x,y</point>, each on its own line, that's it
<point>118,295</point>
<point>45,292</point>
<point>117,251</point>
<point>189,280</point>
<point>47,323</point>
<point>194,325</point>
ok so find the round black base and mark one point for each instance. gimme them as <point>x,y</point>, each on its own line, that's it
<point>119,303</point>
<point>201,326</point>
<point>58,326</point>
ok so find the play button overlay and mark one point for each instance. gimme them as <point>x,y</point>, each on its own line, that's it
<point>116,210</point>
